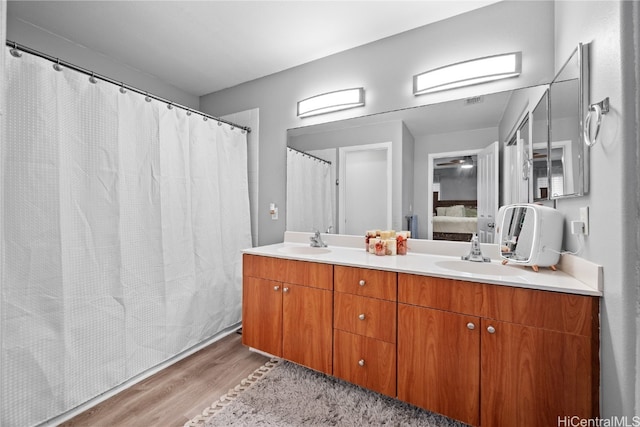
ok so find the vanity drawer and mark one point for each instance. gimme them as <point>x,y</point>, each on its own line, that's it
<point>370,317</point>
<point>366,282</point>
<point>556,311</point>
<point>365,361</point>
<point>443,294</point>
<point>304,273</point>
<point>574,314</point>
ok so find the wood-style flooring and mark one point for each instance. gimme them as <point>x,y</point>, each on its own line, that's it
<point>178,393</point>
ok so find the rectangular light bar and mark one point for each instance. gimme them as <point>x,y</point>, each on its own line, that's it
<point>332,101</point>
<point>467,73</point>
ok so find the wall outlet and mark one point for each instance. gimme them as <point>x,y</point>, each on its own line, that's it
<point>273,210</point>
<point>584,218</point>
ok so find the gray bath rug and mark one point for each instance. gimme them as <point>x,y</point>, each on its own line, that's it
<point>283,394</point>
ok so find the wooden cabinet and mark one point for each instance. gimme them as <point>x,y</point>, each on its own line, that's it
<point>365,328</point>
<point>524,357</point>
<point>287,310</point>
<point>439,361</point>
<point>483,354</point>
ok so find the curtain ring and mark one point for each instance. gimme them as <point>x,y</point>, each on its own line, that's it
<point>590,142</point>
<point>15,52</point>
<point>147,98</point>
<point>57,65</point>
<point>93,79</point>
<point>122,89</point>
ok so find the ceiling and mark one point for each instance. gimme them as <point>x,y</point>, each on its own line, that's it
<point>205,46</point>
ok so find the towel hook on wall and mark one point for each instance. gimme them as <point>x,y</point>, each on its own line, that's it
<point>599,108</point>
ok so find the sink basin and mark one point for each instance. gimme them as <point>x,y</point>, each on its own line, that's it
<point>303,250</point>
<point>486,268</point>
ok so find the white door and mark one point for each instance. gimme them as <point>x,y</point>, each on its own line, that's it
<point>488,176</point>
<point>365,188</point>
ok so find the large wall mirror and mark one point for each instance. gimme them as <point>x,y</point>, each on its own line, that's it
<point>415,168</point>
<point>442,170</point>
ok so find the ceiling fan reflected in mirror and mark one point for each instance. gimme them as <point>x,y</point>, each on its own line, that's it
<point>465,162</point>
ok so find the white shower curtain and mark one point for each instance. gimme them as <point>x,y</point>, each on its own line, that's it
<point>122,233</point>
<point>309,205</point>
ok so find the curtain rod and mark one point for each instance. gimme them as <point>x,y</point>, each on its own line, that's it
<point>309,155</point>
<point>122,85</point>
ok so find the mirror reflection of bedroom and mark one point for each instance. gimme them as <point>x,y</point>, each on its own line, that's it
<point>455,198</point>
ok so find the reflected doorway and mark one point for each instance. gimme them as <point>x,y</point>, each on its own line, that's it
<point>364,188</point>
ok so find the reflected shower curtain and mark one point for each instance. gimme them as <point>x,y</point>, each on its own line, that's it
<point>122,232</point>
<point>309,204</point>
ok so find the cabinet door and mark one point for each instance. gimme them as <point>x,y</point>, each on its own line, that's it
<point>533,376</point>
<point>307,327</point>
<point>439,362</point>
<point>368,362</point>
<point>262,315</point>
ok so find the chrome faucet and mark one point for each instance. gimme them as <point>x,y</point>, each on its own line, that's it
<point>475,254</point>
<point>316,240</point>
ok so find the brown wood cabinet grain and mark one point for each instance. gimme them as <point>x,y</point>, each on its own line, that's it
<point>483,354</point>
<point>439,361</point>
<point>534,377</point>
<point>370,317</point>
<point>287,310</point>
<point>262,315</point>
<point>306,331</point>
<point>537,351</point>
<point>365,322</point>
<point>368,362</point>
<point>366,282</point>
<point>305,273</point>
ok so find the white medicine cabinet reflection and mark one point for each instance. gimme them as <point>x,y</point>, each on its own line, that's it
<point>544,156</point>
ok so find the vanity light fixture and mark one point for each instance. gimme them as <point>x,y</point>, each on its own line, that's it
<point>468,73</point>
<point>331,101</point>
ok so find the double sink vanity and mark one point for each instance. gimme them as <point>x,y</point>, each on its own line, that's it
<point>483,343</point>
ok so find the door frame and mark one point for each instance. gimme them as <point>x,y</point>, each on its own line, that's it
<point>342,153</point>
<point>431,162</point>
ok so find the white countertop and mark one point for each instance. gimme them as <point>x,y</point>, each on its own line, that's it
<point>437,265</point>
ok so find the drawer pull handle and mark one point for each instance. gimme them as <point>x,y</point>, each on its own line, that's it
<point>361,362</point>
<point>471,326</point>
<point>362,316</point>
<point>491,330</point>
<point>285,289</point>
<point>276,288</point>
<point>362,282</point>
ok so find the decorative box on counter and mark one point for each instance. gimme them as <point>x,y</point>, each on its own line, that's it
<point>386,242</point>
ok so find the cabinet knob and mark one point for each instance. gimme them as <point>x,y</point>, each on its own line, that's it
<point>471,325</point>
<point>361,362</point>
<point>276,288</point>
<point>285,289</point>
<point>362,282</point>
<point>362,316</point>
<point>491,330</point>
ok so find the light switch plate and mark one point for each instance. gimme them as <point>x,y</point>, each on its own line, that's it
<point>584,218</point>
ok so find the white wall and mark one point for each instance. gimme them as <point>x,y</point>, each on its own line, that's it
<point>385,69</point>
<point>613,198</point>
<point>59,47</point>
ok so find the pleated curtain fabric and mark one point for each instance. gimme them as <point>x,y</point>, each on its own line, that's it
<point>309,204</point>
<point>122,232</point>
